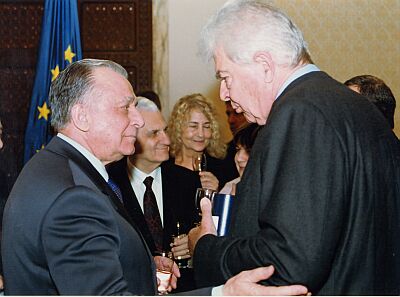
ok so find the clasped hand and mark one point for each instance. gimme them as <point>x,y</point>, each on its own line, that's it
<point>180,247</point>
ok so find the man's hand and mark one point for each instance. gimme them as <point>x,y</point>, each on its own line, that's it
<point>245,283</point>
<point>206,226</point>
<point>166,264</point>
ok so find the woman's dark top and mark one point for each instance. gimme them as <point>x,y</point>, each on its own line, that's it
<point>182,184</point>
<point>181,187</point>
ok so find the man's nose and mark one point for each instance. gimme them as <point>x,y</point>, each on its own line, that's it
<point>136,118</point>
<point>223,91</point>
<point>165,138</point>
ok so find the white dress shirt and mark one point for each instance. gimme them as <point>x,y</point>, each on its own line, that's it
<point>136,177</point>
<point>88,155</point>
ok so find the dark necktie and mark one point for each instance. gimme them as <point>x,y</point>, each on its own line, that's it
<point>115,189</point>
<point>151,213</point>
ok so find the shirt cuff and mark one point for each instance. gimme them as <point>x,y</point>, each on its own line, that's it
<point>217,291</point>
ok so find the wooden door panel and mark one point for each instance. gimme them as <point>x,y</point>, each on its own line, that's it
<point>116,30</point>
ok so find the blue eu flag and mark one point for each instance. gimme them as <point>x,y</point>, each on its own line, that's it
<point>60,45</point>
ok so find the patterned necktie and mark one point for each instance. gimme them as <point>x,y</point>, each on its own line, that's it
<point>115,189</point>
<point>151,213</point>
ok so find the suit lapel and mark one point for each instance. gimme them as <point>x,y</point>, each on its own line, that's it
<point>118,172</point>
<point>60,146</point>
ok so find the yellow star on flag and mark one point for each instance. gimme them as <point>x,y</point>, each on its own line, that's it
<point>43,111</point>
<point>68,54</point>
<point>42,147</point>
<point>55,72</point>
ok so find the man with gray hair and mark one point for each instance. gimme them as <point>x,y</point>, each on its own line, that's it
<point>65,230</point>
<point>319,196</point>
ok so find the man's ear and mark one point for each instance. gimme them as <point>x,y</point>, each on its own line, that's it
<point>79,117</point>
<point>264,59</point>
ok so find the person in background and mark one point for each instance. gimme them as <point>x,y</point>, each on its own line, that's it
<point>244,140</point>
<point>236,121</point>
<point>319,196</point>
<point>377,92</point>
<point>151,150</point>
<point>151,95</point>
<point>195,131</point>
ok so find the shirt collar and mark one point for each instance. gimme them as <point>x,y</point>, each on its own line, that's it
<point>88,155</point>
<point>140,175</point>
<point>295,75</point>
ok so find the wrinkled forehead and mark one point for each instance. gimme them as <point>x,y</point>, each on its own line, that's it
<point>153,120</point>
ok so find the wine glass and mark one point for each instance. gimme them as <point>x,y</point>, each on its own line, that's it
<point>164,263</point>
<point>182,263</point>
<point>199,163</point>
<point>203,193</point>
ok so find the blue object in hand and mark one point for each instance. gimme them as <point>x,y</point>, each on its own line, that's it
<point>222,208</point>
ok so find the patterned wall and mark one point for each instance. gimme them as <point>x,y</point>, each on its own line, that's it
<point>352,37</point>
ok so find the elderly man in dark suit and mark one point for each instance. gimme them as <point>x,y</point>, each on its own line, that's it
<point>65,229</point>
<point>319,198</point>
<point>152,149</point>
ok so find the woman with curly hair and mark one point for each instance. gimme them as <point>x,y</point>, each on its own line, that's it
<point>194,131</point>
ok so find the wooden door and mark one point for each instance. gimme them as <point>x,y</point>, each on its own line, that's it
<point>117,30</point>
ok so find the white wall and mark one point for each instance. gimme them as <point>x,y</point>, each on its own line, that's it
<point>187,72</point>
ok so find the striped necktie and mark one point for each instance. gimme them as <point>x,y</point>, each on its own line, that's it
<point>115,189</point>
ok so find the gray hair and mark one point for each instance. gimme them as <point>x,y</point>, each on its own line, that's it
<point>146,104</point>
<point>71,86</point>
<point>244,27</point>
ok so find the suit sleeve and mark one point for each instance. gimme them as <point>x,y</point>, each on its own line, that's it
<point>289,205</point>
<point>80,239</point>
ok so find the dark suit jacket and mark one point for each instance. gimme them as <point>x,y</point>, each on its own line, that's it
<point>118,172</point>
<point>319,198</point>
<point>178,186</point>
<point>65,232</point>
